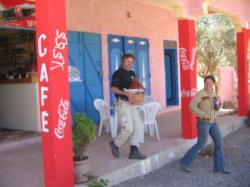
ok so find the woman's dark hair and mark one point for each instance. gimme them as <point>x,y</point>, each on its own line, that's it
<point>126,56</point>
<point>211,77</point>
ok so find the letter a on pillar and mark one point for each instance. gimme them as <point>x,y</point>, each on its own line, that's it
<point>187,59</point>
<point>52,49</point>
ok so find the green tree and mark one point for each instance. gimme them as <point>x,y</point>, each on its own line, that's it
<point>215,44</point>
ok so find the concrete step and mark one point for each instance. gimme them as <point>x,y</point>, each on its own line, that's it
<point>19,142</point>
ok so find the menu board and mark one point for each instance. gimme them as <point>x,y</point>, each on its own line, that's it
<point>17,13</point>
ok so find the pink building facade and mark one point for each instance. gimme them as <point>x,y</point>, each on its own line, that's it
<point>162,26</point>
<point>127,18</point>
<point>156,21</point>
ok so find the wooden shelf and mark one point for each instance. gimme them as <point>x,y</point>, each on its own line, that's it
<point>17,49</point>
<point>17,81</point>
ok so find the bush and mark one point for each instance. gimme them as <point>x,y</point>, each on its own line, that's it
<point>83,133</point>
<point>99,183</point>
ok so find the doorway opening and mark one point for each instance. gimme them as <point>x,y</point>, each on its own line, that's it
<point>19,115</point>
<point>171,72</point>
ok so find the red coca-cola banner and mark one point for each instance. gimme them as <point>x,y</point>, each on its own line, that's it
<point>187,59</point>
<point>17,13</point>
<point>52,57</point>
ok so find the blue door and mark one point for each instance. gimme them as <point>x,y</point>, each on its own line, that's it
<point>130,47</point>
<point>115,49</point>
<point>85,72</point>
<point>142,63</point>
<point>139,47</point>
<point>171,76</point>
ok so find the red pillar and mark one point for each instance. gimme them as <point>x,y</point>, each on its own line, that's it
<point>242,63</point>
<point>52,57</point>
<point>187,59</point>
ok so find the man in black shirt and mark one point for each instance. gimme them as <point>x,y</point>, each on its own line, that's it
<point>129,116</point>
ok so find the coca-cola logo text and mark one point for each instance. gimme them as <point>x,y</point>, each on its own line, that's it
<point>185,64</point>
<point>63,110</point>
<point>188,93</point>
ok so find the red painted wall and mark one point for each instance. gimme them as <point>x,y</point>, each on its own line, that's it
<point>187,61</point>
<point>52,58</point>
<point>242,46</point>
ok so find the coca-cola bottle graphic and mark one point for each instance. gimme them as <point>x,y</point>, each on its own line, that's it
<point>17,12</point>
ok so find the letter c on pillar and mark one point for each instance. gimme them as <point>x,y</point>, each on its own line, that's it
<point>42,51</point>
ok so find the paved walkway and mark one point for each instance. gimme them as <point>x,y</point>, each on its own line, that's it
<point>237,151</point>
<point>170,148</point>
<point>22,166</point>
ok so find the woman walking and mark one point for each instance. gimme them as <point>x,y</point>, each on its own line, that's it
<point>204,105</point>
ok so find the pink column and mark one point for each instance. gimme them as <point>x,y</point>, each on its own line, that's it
<point>52,57</point>
<point>187,58</point>
<point>242,46</point>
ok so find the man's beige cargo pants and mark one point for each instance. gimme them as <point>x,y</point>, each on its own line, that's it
<point>130,122</point>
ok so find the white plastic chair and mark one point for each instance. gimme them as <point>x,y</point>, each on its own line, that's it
<point>110,121</point>
<point>149,112</point>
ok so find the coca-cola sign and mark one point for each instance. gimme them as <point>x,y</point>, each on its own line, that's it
<point>18,13</point>
<point>63,110</point>
<point>185,63</point>
<point>188,92</point>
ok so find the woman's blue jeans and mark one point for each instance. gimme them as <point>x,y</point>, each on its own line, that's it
<point>204,129</point>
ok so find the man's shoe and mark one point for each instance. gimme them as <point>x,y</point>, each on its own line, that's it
<point>223,172</point>
<point>186,168</point>
<point>135,154</point>
<point>114,149</point>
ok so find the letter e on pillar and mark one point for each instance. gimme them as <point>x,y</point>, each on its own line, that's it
<point>44,121</point>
